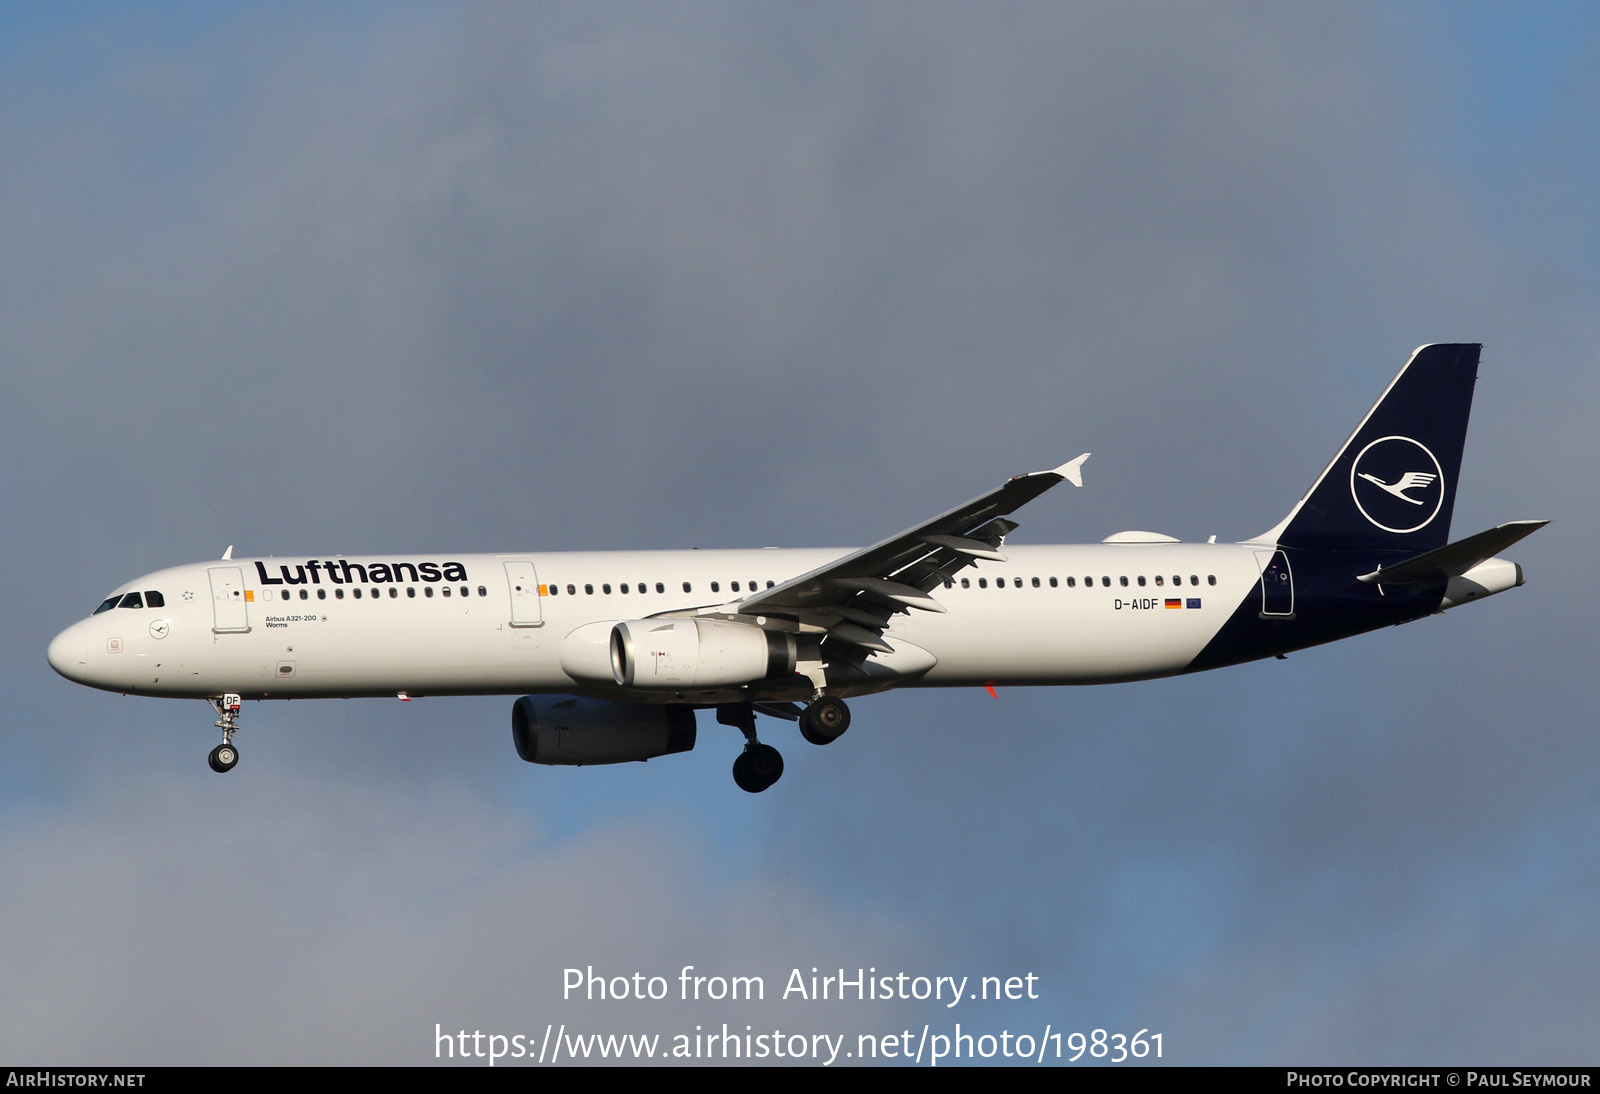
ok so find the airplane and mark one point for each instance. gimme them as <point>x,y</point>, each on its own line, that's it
<point>613,653</point>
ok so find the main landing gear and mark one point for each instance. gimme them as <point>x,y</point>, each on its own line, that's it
<point>825,721</point>
<point>224,756</point>
<point>759,766</point>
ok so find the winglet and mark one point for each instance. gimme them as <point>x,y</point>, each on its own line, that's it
<point>1072,470</point>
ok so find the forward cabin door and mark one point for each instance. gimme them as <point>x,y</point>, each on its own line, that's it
<point>229,612</point>
<point>523,581</point>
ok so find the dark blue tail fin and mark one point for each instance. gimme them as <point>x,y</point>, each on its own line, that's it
<point>1393,484</point>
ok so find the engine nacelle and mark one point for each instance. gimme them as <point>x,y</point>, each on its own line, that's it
<point>565,729</point>
<point>685,654</point>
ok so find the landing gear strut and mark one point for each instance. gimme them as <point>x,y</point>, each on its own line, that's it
<point>224,756</point>
<point>825,720</point>
<point>759,765</point>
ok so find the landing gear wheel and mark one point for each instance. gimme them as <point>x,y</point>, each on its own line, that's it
<point>825,720</point>
<point>758,767</point>
<point>222,758</point>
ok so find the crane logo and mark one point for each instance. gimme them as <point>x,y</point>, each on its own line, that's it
<point>1397,484</point>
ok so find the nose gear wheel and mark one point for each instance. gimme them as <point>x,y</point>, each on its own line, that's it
<point>224,756</point>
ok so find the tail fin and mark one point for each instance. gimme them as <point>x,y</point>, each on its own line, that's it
<point>1393,484</point>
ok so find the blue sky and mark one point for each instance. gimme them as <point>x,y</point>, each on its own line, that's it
<point>504,276</point>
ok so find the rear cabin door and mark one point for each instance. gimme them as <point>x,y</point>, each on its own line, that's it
<point>1277,587</point>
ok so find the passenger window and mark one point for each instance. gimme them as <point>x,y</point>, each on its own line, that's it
<point>411,591</point>
<point>483,590</point>
<point>1194,579</point>
<point>394,593</point>
<point>338,594</point>
<point>572,590</point>
<point>769,584</point>
<point>1035,583</point>
<point>1141,581</point>
<point>444,590</point>
<point>305,594</point>
<point>966,583</point>
<point>660,588</point>
<point>1072,582</point>
<point>623,587</point>
<point>285,594</point>
<point>375,594</point>
<point>153,599</point>
<point>1160,581</point>
<point>322,594</point>
<point>1016,582</point>
<point>734,586</point>
<point>356,593</point>
<point>949,583</point>
<point>132,600</point>
<point>606,588</point>
<point>1211,579</point>
<point>983,583</point>
<point>686,587</point>
<point>427,591</point>
<point>715,587</point>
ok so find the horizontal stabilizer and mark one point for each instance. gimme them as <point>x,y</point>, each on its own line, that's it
<point>1454,559</point>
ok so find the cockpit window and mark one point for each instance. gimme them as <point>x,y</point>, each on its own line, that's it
<point>154,599</point>
<point>132,600</point>
<point>107,604</point>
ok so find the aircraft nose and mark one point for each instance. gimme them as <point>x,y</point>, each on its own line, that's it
<point>69,653</point>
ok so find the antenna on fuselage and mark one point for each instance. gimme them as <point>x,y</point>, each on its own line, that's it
<point>228,554</point>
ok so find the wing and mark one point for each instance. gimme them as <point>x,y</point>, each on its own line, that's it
<point>853,598</point>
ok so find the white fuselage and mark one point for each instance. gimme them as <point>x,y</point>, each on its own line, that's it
<point>495,624</point>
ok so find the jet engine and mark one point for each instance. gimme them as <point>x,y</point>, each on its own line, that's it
<point>697,653</point>
<point>676,654</point>
<point>565,729</point>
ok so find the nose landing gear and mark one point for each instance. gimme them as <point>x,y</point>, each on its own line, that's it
<point>224,756</point>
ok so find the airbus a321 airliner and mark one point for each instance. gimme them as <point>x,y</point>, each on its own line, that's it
<point>613,653</point>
